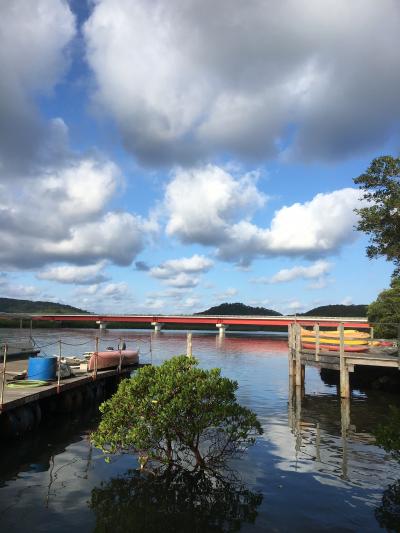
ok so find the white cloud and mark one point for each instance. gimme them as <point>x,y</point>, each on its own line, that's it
<point>294,306</point>
<point>99,298</point>
<point>10,289</point>
<point>315,271</point>
<point>228,294</point>
<point>347,301</point>
<point>202,202</point>
<point>61,216</point>
<point>33,40</point>
<point>211,207</point>
<point>185,82</point>
<point>318,227</point>
<point>183,272</point>
<point>80,275</point>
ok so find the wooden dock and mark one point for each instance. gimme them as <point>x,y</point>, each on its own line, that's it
<point>17,397</point>
<point>341,360</point>
<point>24,408</point>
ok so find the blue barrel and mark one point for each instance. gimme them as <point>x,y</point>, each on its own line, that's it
<point>42,368</point>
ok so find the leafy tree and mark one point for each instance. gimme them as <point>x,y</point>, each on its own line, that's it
<point>177,414</point>
<point>388,438</point>
<point>385,311</point>
<point>176,501</point>
<point>388,434</point>
<point>381,219</point>
<point>388,513</point>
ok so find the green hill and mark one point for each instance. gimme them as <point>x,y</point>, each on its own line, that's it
<point>338,310</point>
<point>11,305</point>
<point>238,309</point>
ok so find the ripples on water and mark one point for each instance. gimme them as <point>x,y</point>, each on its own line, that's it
<point>310,471</point>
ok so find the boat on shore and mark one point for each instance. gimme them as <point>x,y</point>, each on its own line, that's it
<point>112,359</point>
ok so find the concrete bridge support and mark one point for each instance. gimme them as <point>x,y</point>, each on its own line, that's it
<point>221,329</point>
<point>157,326</point>
<point>102,325</point>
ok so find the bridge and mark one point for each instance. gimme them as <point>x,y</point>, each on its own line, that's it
<point>220,321</point>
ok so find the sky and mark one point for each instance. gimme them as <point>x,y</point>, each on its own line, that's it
<point>166,156</point>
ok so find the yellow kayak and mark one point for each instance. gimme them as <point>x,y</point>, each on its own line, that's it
<point>353,333</point>
<point>335,340</point>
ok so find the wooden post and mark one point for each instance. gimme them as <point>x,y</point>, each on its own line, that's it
<point>371,332</point>
<point>344,374</point>
<point>96,355</point>
<point>298,355</point>
<point>290,351</point>
<point>3,382</point>
<point>317,341</point>
<point>189,345</point>
<point>59,367</point>
<point>120,355</point>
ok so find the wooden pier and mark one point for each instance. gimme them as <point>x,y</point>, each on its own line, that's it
<point>23,408</point>
<point>341,360</point>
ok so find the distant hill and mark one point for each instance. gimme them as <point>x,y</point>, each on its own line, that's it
<point>11,305</point>
<point>338,310</point>
<point>238,309</point>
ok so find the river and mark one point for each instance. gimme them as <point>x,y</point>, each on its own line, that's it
<point>306,473</point>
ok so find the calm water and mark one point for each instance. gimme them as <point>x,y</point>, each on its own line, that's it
<point>312,470</point>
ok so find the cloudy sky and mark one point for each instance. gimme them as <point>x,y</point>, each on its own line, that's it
<point>166,156</point>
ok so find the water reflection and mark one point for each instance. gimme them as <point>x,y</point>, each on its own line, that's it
<point>327,431</point>
<point>175,501</point>
<point>388,512</point>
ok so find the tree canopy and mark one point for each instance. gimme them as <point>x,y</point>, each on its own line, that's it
<point>177,414</point>
<point>384,313</point>
<point>381,218</point>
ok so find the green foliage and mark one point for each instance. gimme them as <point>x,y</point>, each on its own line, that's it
<point>381,219</point>
<point>239,309</point>
<point>177,414</point>
<point>176,501</point>
<point>388,513</point>
<point>338,310</point>
<point>388,435</point>
<point>12,305</point>
<point>384,313</point>
<point>388,438</point>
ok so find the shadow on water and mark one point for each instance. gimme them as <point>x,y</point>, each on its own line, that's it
<point>173,502</point>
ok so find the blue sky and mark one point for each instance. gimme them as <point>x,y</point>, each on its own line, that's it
<point>169,156</point>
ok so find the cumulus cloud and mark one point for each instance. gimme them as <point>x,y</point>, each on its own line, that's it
<point>228,294</point>
<point>315,271</point>
<point>33,41</point>
<point>10,289</point>
<point>79,275</point>
<point>61,216</point>
<point>185,82</point>
<point>201,203</point>
<point>218,208</point>
<point>183,272</point>
<point>103,297</point>
<point>313,229</point>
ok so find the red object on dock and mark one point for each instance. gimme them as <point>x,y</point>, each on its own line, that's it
<point>113,358</point>
<point>336,347</point>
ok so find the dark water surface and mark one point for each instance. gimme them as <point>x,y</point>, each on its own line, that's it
<point>314,469</point>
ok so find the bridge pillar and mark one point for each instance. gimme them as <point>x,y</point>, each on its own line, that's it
<point>157,326</point>
<point>221,328</point>
<point>102,325</point>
